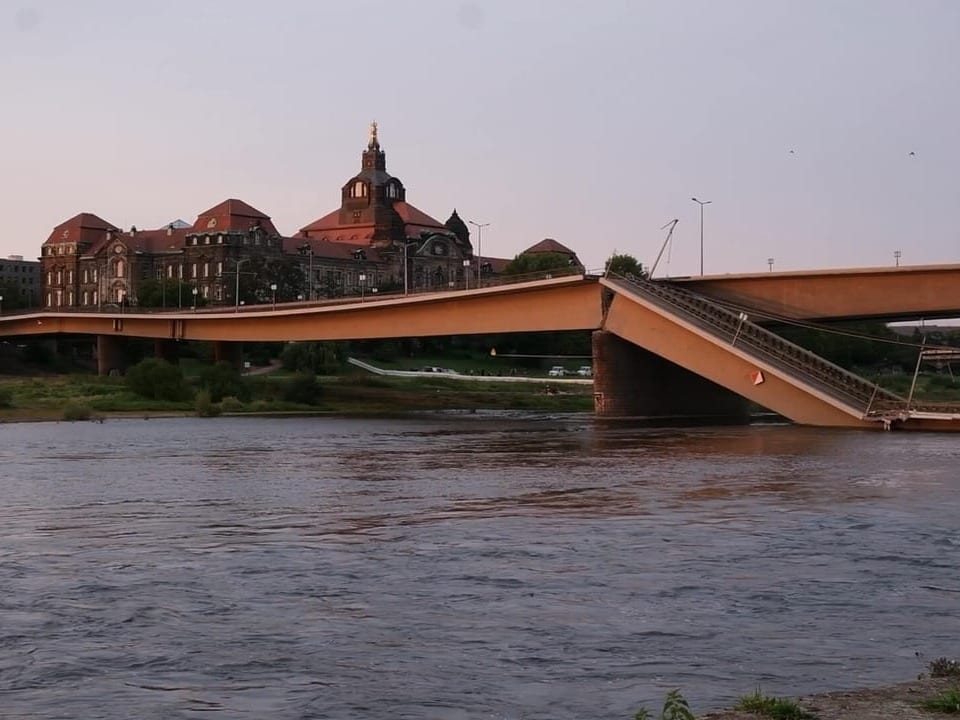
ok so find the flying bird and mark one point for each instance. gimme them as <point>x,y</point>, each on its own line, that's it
<point>912,154</point>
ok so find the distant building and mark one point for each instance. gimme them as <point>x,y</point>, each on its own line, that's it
<point>375,241</point>
<point>20,282</point>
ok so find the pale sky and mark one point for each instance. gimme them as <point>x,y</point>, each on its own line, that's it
<point>590,122</point>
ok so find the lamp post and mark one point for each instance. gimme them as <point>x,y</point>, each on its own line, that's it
<point>180,286</point>
<point>194,291</point>
<point>480,227</point>
<point>896,259</point>
<point>362,278</point>
<point>273,289</point>
<point>236,296</point>
<point>466,273</point>
<point>1,303</point>
<point>701,203</point>
<point>770,264</point>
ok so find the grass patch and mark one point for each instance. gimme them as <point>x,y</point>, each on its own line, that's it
<point>773,707</point>
<point>77,411</point>
<point>947,701</point>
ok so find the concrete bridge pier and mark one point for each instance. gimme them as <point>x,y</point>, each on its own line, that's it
<point>111,355</point>
<point>167,350</point>
<point>229,352</point>
<point>630,382</point>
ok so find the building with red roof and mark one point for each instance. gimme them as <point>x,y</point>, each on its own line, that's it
<point>375,240</point>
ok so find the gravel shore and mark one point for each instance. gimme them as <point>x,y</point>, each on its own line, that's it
<point>891,702</point>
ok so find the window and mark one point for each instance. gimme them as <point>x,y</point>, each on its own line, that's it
<point>393,191</point>
<point>205,292</point>
<point>49,300</point>
<point>219,239</point>
<point>193,270</point>
<point>219,268</point>
<point>358,189</point>
<point>120,268</point>
<point>49,279</point>
<point>59,278</point>
<point>86,298</point>
<point>159,272</point>
<point>95,301</point>
<point>95,272</point>
<point>206,270</point>
<point>169,271</point>
<point>70,278</point>
<point>70,298</point>
<point>86,276</point>
<point>206,239</point>
<point>218,292</point>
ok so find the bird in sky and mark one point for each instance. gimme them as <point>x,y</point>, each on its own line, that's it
<point>792,152</point>
<point>912,154</point>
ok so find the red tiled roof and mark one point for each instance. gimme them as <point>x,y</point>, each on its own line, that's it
<point>412,216</point>
<point>85,227</point>
<point>331,249</point>
<point>549,245</point>
<point>232,215</point>
<point>329,227</point>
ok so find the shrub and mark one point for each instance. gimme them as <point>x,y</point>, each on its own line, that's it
<point>773,707</point>
<point>157,379</point>
<point>77,411</point>
<point>222,380</point>
<point>947,701</point>
<point>322,358</point>
<point>231,404</point>
<point>205,407</point>
<point>675,707</point>
<point>944,667</point>
<point>302,388</point>
<point>6,397</point>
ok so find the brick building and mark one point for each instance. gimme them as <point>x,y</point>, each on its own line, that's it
<point>375,241</point>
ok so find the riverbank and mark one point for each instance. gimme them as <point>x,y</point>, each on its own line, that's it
<point>901,701</point>
<point>47,398</point>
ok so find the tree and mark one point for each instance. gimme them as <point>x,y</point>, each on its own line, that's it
<point>322,358</point>
<point>537,262</point>
<point>625,265</point>
<point>157,379</point>
<point>223,380</point>
<point>168,292</point>
<point>260,273</point>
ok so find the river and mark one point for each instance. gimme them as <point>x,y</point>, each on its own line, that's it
<point>463,566</point>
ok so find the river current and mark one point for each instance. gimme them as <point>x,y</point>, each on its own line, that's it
<point>463,566</point>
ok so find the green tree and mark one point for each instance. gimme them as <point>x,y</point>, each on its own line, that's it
<point>537,262</point>
<point>157,379</point>
<point>323,358</point>
<point>168,292</point>
<point>303,388</point>
<point>625,265</point>
<point>223,380</point>
<point>261,272</point>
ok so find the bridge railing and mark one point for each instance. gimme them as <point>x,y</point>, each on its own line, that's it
<point>739,331</point>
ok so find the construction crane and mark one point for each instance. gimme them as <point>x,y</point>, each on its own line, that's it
<point>672,224</point>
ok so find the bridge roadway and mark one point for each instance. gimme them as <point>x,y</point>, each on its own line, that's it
<point>686,359</point>
<point>887,293</point>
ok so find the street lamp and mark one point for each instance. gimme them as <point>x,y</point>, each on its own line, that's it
<point>479,227</point>
<point>361,278</point>
<point>770,264</point>
<point>236,296</point>
<point>466,273</point>
<point>896,258</point>
<point>1,303</point>
<point>273,289</point>
<point>194,291</point>
<point>701,203</point>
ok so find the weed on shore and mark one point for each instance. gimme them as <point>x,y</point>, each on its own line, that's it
<point>773,707</point>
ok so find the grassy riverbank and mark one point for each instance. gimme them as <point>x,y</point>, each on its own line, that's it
<point>47,398</point>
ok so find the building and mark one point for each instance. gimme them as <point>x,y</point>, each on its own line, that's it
<point>375,241</point>
<point>20,283</point>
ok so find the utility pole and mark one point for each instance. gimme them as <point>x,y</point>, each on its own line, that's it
<point>701,203</point>
<point>236,296</point>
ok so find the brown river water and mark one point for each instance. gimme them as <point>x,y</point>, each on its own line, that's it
<point>464,566</point>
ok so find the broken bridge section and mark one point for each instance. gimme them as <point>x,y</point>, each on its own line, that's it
<point>724,347</point>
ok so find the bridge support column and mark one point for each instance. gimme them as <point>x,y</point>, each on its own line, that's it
<point>111,358</point>
<point>229,352</point>
<point>166,350</point>
<point>630,382</point>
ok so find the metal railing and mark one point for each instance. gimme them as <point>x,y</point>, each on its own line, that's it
<point>737,329</point>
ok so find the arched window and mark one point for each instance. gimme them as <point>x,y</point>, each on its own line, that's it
<point>358,189</point>
<point>393,191</point>
<point>120,268</point>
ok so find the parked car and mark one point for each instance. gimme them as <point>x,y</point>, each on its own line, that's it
<point>557,371</point>
<point>585,371</point>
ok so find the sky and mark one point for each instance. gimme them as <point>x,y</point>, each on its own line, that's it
<point>823,133</point>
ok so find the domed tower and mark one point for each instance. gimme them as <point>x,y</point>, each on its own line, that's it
<point>458,227</point>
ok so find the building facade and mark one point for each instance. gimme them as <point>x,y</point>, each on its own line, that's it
<point>20,283</point>
<point>375,241</point>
